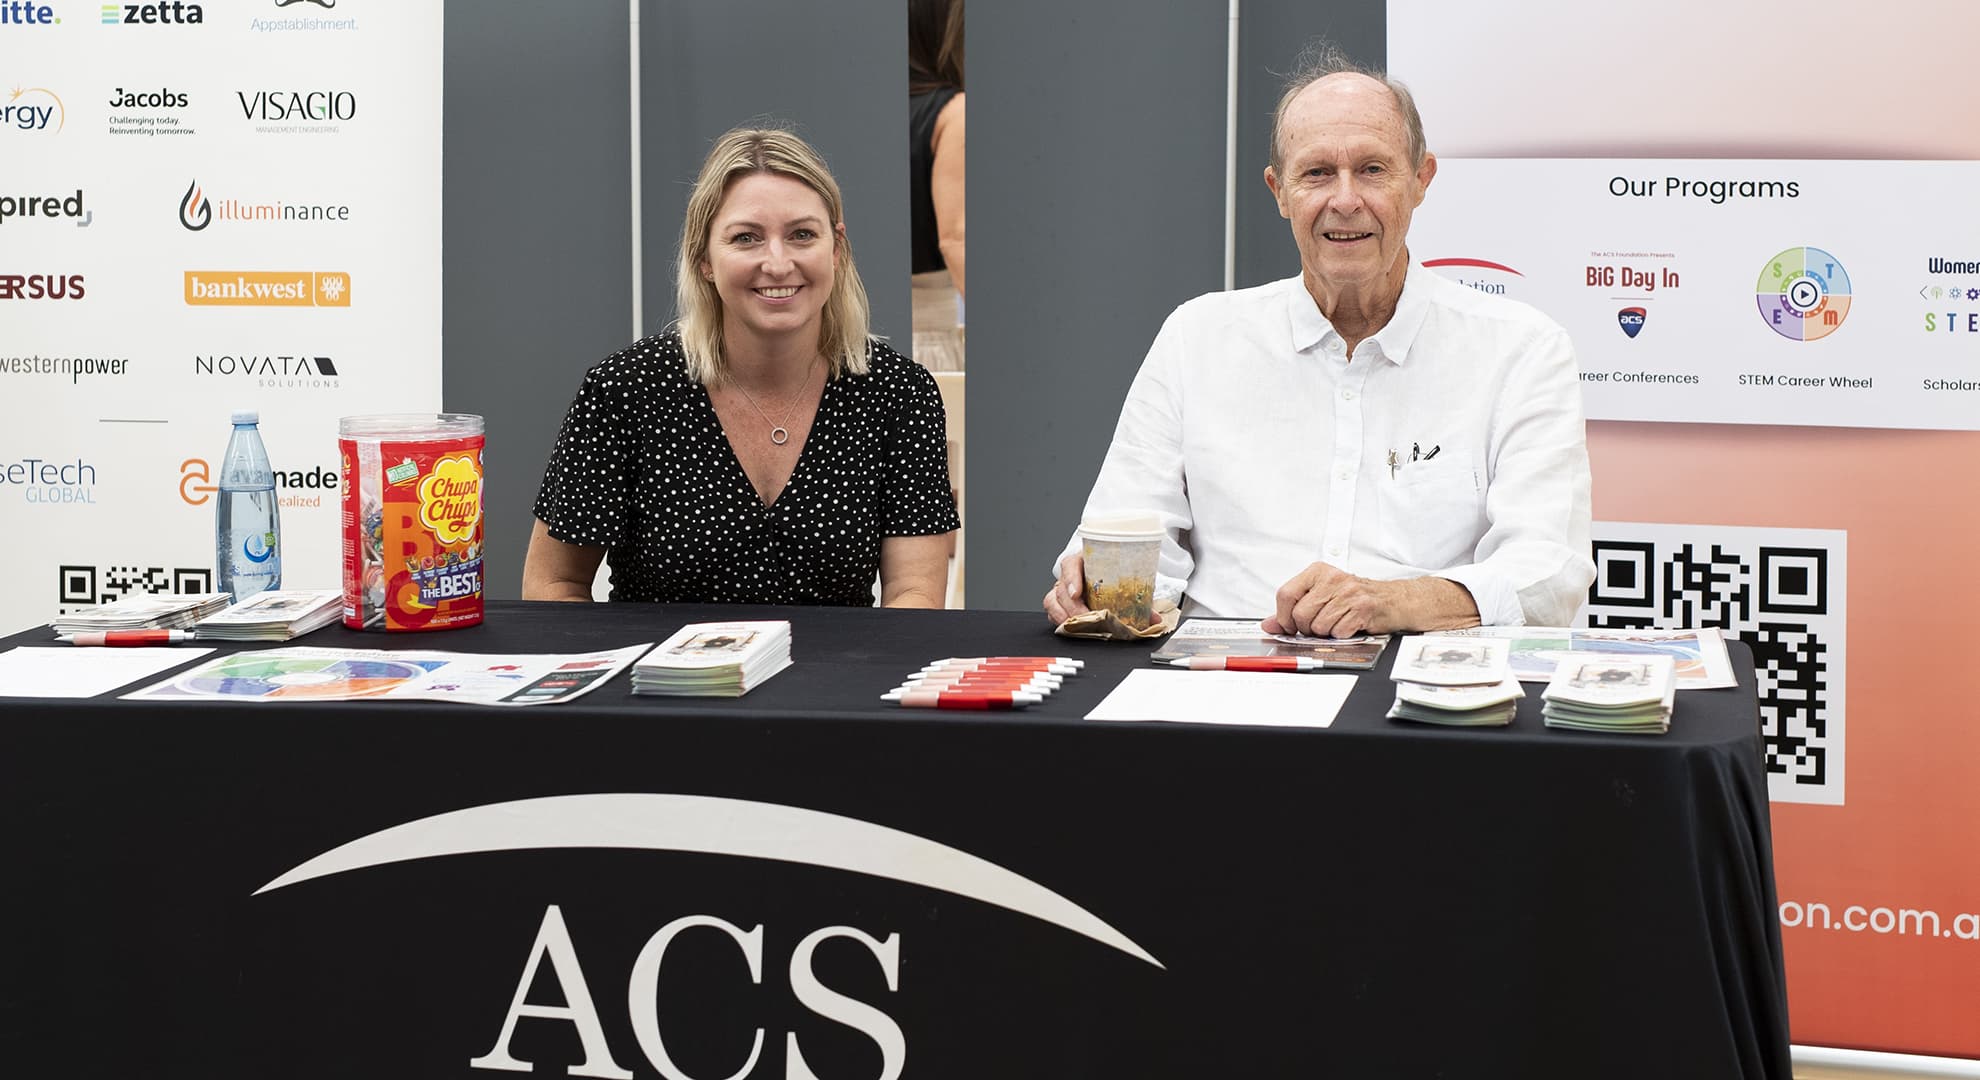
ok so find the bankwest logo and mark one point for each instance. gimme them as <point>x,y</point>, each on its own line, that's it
<point>267,288</point>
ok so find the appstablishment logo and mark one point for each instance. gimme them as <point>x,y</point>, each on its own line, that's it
<point>267,288</point>
<point>42,108</point>
<point>1803,294</point>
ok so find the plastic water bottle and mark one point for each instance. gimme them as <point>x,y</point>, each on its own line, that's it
<point>247,533</point>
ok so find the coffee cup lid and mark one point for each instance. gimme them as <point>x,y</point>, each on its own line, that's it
<point>1127,525</point>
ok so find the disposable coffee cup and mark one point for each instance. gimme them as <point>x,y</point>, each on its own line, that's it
<point>1121,552</point>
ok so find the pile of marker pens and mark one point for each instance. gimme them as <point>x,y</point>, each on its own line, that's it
<point>984,682</point>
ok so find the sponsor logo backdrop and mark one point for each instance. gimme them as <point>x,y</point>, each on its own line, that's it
<point>207,208</point>
<point>1746,522</point>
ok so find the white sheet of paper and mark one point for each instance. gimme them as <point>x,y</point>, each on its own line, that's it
<point>1263,698</point>
<point>79,671</point>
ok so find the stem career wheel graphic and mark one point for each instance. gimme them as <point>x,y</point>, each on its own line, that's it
<point>1803,293</point>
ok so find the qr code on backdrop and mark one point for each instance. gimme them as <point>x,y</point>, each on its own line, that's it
<point>81,586</point>
<point>1781,591</point>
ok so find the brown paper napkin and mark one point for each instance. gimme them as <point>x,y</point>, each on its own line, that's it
<point>1104,626</point>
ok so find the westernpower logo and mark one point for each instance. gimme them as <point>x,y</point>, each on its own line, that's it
<point>267,288</point>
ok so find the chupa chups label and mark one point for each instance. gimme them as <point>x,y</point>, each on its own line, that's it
<point>412,531</point>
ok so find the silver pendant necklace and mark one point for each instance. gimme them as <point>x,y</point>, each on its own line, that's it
<point>780,432</point>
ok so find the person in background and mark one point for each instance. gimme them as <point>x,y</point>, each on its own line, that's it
<point>1367,447</point>
<point>935,135</point>
<point>766,449</point>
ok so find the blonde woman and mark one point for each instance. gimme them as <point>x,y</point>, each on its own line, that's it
<point>765,449</point>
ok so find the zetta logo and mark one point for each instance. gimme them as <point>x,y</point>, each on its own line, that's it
<point>22,13</point>
<point>172,11</point>
<point>41,287</point>
<point>196,486</point>
<point>704,825</point>
<point>35,115</point>
<point>1631,320</point>
<point>267,288</point>
<point>48,206</point>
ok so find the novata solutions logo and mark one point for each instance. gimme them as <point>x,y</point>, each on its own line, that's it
<point>267,288</point>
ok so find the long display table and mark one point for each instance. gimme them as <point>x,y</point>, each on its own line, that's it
<point>807,882</point>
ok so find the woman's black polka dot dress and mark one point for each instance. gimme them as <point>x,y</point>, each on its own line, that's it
<point>642,468</point>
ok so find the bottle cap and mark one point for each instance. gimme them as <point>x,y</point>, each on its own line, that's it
<point>247,416</point>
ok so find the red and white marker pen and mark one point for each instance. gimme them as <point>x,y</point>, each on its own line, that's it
<point>938,678</point>
<point>974,688</point>
<point>1065,660</point>
<point>962,699</point>
<point>1006,664</point>
<point>128,637</point>
<point>1248,663</point>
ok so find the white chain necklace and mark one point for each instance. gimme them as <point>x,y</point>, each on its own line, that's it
<point>780,432</point>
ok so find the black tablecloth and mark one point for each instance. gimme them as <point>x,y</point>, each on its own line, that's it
<point>1375,899</point>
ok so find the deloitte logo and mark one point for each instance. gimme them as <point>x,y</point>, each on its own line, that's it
<point>1803,294</point>
<point>21,13</point>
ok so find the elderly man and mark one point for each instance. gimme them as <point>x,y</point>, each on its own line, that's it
<point>1367,447</point>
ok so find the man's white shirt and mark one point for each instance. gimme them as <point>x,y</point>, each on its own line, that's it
<point>1451,444</point>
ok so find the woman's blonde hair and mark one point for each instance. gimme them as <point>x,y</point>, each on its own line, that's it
<point>842,330</point>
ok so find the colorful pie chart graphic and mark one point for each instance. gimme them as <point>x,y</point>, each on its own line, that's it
<point>249,676</point>
<point>1803,293</point>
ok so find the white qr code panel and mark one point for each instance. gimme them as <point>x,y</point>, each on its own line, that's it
<point>1781,591</point>
<point>81,586</point>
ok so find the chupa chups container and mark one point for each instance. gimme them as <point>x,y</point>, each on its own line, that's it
<point>412,489</point>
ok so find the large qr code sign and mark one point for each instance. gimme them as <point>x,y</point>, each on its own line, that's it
<point>1778,590</point>
<point>83,586</point>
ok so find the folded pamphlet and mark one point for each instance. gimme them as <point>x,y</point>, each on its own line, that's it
<point>1620,692</point>
<point>275,615</point>
<point>724,659</point>
<point>142,612</point>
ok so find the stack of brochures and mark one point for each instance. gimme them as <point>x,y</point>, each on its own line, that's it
<point>1244,637</point>
<point>1601,692</point>
<point>1461,682</point>
<point>148,612</point>
<point>276,615</point>
<point>727,659</point>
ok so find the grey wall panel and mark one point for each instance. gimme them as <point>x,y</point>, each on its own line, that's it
<point>1096,193</point>
<point>837,70</point>
<point>537,253</point>
<point>1270,36</point>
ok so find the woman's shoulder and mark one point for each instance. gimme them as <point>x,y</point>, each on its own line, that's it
<point>656,360</point>
<point>886,367</point>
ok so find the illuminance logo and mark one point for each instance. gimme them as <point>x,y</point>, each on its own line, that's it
<point>1803,294</point>
<point>195,213</point>
<point>42,108</point>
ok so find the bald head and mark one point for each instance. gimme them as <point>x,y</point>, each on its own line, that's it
<point>1323,62</point>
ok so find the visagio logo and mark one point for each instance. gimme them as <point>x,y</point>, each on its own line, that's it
<point>299,489</point>
<point>197,210</point>
<point>34,108</point>
<point>704,825</point>
<point>267,288</point>
<point>24,13</point>
<point>273,371</point>
<point>1465,272</point>
<point>42,481</point>
<point>318,106</point>
<point>171,12</point>
<point>1631,320</point>
<point>47,206</point>
<point>41,286</point>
